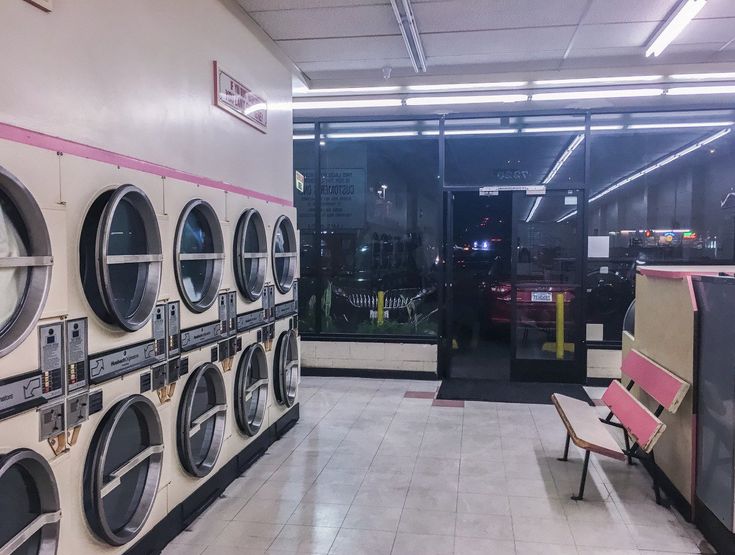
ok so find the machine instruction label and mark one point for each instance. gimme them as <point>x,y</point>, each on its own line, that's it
<point>105,366</point>
<point>250,320</point>
<point>193,338</point>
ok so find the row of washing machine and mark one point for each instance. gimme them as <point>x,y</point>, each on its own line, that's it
<point>148,336</point>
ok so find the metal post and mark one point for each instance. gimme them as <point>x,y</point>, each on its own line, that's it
<point>584,477</point>
<point>566,449</point>
<point>560,326</point>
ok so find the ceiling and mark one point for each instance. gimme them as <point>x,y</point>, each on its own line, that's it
<point>348,42</point>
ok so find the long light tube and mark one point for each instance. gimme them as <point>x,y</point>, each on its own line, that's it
<point>715,89</point>
<point>681,125</point>
<point>683,15</point>
<point>346,90</point>
<point>534,207</point>
<point>609,93</point>
<point>346,104</point>
<point>703,76</point>
<point>467,86</point>
<point>450,132</point>
<point>597,80</point>
<point>473,99</point>
<point>563,158</point>
<point>372,135</point>
<point>671,158</point>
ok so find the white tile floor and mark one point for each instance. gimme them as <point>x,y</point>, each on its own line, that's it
<point>367,470</point>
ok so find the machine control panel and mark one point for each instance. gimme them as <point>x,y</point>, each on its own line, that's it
<point>231,313</point>
<point>52,420</point>
<point>76,354</point>
<point>145,382</point>
<point>51,359</point>
<point>173,328</point>
<point>223,312</point>
<point>158,376</point>
<point>159,331</point>
<point>77,410</point>
<point>95,402</point>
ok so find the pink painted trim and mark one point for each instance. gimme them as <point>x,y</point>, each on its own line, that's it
<point>419,394</point>
<point>49,142</point>
<point>665,274</point>
<point>447,403</point>
<point>692,296</point>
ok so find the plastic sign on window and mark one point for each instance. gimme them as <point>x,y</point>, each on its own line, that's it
<point>234,97</point>
<point>45,5</point>
<point>299,181</point>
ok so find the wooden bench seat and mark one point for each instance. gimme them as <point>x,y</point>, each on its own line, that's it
<point>637,422</point>
<point>584,427</point>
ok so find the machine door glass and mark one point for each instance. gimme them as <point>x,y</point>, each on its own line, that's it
<point>120,257</point>
<point>546,292</point>
<point>284,254</point>
<point>29,505</point>
<point>201,420</point>
<point>286,368</point>
<point>25,262</point>
<point>122,470</point>
<point>199,255</point>
<point>251,389</point>
<point>251,252</point>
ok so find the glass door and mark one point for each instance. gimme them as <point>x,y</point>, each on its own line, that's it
<point>547,332</point>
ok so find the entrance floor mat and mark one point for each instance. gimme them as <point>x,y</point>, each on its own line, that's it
<point>508,392</point>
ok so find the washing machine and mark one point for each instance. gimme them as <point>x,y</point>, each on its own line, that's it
<point>285,374</point>
<point>284,256</point>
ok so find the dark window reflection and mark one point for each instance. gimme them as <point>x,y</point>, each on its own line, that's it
<point>378,250</point>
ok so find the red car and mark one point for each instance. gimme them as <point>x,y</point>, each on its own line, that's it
<point>536,304</point>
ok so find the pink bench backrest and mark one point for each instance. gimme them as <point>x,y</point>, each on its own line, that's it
<point>655,380</point>
<point>640,422</point>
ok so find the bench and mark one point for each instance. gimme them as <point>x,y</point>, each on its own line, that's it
<point>592,434</point>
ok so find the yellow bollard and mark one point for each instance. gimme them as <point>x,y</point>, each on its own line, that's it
<point>381,310</point>
<point>560,326</point>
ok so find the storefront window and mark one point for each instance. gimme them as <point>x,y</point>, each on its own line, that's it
<point>379,238</point>
<point>660,191</point>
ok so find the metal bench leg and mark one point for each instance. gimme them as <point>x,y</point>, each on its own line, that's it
<point>584,477</point>
<point>627,447</point>
<point>656,489</point>
<point>566,450</point>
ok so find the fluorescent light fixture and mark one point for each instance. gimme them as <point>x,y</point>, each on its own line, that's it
<point>606,127</point>
<point>372,135</point>
<point>628,231</point>
<point>472,99</point>
<point>685,12</point>
<point>303,137</point>
<point>565,217</point>
<point>563,158</point>
<point>534,207</point>
<point>703,76</point>
<point>715,89</point>
<point>467,86</point>
<point>597,80</point>
<point>678,125</point>
<point>667,160</point>
<point>346,90</point>
<point>561,129</point>
<point>410,33</point>
<point>608,93</point>
<point>346,104</point>
<point>453,132</point>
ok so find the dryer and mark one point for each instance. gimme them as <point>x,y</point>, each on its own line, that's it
<point>285,374</point>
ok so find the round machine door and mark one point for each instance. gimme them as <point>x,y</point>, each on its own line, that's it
<point>251,389</point>
<point>123,469</point>
<point>25,262</point>
<point>251,251</point>
<point>629,320</point>
<point>120,257</point>
<point>284,254</point>
<point>286,368</point>
<point>29,505</point>
<point>199,255</point>
<point>201,421</point>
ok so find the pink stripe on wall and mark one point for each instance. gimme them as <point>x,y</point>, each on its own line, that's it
<point>57,144</point>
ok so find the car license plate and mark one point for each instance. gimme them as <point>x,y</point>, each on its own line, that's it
<point>540,297</point>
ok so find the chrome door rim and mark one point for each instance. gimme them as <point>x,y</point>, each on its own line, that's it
<point>254,293</point>
<point>39,261</point>
<point>218,255</point>
<point>97,485</point>
<point>243,393</point>
<point>285,282</point>
<point>286,368</point>
<point>186,427</point>
<point>48,521</point>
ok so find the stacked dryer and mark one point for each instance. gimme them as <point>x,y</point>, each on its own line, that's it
<point>147,331</point>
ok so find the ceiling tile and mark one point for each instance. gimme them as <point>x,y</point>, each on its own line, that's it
<point>628,11</point>
<point>717,8</point>
<point>611,35</point>
<point>328,22</point>
<point>359,48</point>
<point>707,30</point>
<point>513,40</point>
<point>471,15</point>
<point>273,5</point>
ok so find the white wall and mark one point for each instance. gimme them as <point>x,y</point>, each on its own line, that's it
<point>136,77</point>
<point>369,356</point>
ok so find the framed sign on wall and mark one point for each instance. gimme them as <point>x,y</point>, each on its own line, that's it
<point>237,99</point>
<point>45,5</point>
